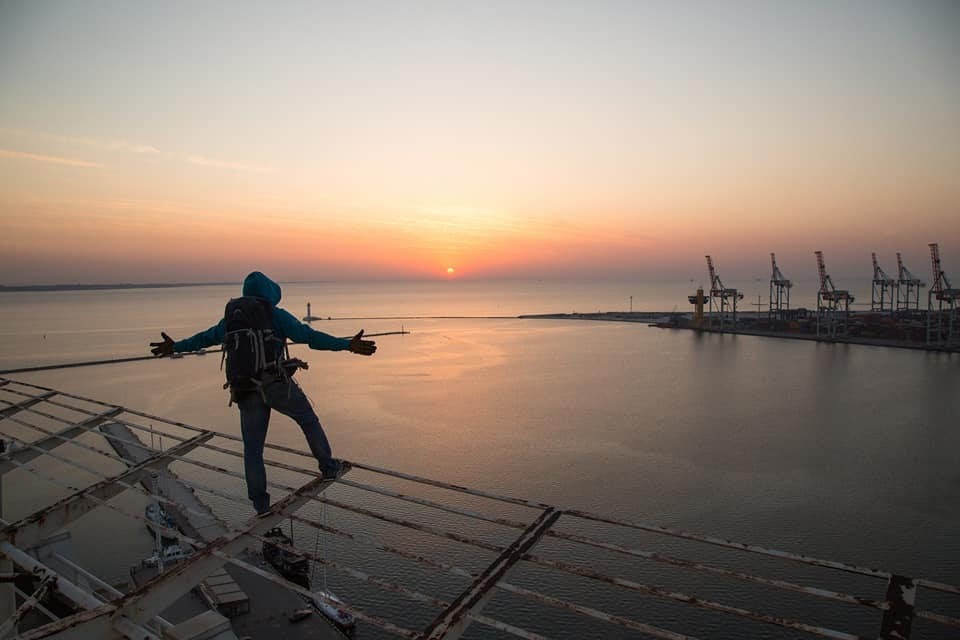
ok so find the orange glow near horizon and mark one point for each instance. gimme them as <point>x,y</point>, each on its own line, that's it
<point>146,241</point>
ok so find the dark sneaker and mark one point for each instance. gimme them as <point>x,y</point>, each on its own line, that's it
<point>334,469</point>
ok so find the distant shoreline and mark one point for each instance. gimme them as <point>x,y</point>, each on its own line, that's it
<point>102,287</point>
<point>129,285</point>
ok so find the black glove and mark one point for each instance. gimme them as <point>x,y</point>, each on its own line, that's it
<point>161,349</point>
<point>361,346</point>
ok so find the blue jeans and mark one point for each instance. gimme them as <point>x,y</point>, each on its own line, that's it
<point>288,399</point>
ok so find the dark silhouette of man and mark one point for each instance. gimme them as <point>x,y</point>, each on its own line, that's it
<point>274,389</point>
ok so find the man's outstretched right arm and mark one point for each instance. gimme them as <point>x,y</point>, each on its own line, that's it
<point>207,338</point>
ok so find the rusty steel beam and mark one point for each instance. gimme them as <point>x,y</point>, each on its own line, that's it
<point>948,621</point>
<point>454,620</point>
<point>41,446</point>
<point>937,586</point>
<point>700,603</point>
<point>596,614</point>
<point>80,626</point>
<point>739,546</point>
<point>40,524</point>
<point>454,487</point>
<point>39,607</point>
<point>95,623</point>
<point>469,513</point>
<point>409,524</point>
<point>727,573</point>
<point>20,406</point>
<point>11,625</point>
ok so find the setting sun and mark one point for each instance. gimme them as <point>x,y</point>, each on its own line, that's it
<point>450,271</point>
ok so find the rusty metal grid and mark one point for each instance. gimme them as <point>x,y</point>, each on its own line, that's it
<point>895,611</point>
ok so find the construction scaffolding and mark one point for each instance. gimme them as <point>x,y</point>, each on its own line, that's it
<point>779,300</point>
<point>431,558</point>
<point>883,294</point>
<point>723,301</point>
<point>943,319</point>
<point>833,305</point>
<point>908,288</point>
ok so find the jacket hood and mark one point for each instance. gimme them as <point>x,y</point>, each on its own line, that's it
<point>259,285</point>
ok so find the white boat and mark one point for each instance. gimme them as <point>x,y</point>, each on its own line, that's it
<point>169,555</point>
<point>331,609</point>
<point>160,522</point>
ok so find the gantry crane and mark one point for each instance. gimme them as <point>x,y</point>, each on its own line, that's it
<point>908,288</point>
<point>942,320</point>
<point>722,299</point>
<point>882,294</point>
<point>833,305</point>
<point>779,301</point>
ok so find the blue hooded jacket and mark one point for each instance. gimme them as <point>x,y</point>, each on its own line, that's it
<point>286,326</point>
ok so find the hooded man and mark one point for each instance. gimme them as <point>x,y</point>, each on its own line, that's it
<point>273,388</point>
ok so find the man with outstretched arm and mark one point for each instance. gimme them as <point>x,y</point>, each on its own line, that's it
<point>254,332</point>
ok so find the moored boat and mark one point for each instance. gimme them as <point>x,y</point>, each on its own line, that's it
<point>330,606</point>
<point>168,555</point>
<point>290,565</point>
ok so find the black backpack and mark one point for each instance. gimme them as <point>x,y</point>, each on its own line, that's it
<point>250,344</point>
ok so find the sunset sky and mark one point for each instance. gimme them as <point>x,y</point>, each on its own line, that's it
<point>168,141</point>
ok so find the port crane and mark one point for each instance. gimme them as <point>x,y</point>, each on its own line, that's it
<point>908,288</point>
<point>722,299</point>
<point>882,294</point>
<point>833,305</point>
<point>942,316</point>
<point>779,301</point>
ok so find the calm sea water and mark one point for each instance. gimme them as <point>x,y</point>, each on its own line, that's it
<point>836,451</point>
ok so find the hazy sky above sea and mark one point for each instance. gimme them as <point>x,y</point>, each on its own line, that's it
<point>195,141</point>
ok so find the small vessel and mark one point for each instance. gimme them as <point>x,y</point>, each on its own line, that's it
<point>159,522</point>
<point>290,565</point>
<point>300,614</point>
<point>342,619</point>
<point>168,555</point>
